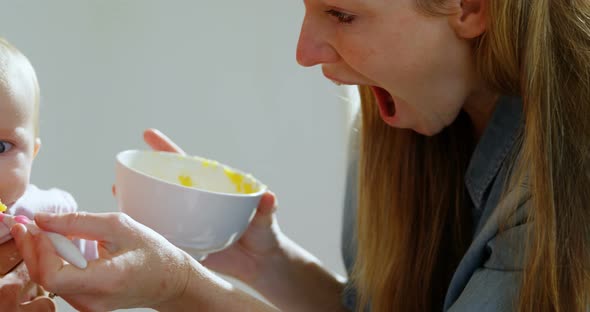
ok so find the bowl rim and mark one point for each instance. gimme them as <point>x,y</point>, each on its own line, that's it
<point>262,187</point>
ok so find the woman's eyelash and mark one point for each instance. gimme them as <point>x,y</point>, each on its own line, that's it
<point>343,18</point>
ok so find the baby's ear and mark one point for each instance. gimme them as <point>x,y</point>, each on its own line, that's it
<point>37,147</point>
<point>471,18</point>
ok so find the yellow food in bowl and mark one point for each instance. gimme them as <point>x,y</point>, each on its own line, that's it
<point>3,207</point>
<point>185,181</point>
<point>237,179</point>
<point>209,163</point>
<point>244,184</point>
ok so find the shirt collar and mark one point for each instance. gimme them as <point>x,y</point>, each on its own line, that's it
<point>493,147</point>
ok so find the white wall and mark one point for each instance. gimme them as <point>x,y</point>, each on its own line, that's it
<point>220,77</point>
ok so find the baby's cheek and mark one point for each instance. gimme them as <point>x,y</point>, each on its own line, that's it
<point>13,184</point>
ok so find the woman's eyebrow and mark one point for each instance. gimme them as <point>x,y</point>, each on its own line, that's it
<point>357,4</point>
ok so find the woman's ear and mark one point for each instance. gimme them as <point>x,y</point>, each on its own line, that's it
<point>470,19</point>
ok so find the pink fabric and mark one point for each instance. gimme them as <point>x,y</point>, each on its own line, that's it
<point>53,200</point>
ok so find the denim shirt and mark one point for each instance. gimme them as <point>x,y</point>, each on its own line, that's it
<point>488,276</point>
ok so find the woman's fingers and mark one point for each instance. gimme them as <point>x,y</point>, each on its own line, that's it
<point>160,142</point>
<point>102,227</point>
<point>26,246</point>
<point>44,264</point>
<point>39,304</point>
<point>265,210</point>
<point>116,279</point>
<point>38,254</point>
<point>66,279</point>
<point>49,263</point>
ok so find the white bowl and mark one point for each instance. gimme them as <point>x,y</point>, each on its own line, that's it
<point>197,204</point>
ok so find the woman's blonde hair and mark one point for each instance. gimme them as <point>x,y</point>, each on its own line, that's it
<point>413,224</point>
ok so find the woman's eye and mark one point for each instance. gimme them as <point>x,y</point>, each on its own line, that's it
<point>5,147</point>
<point>343,18</point>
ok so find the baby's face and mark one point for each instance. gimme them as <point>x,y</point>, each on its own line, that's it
<point>18,139</point>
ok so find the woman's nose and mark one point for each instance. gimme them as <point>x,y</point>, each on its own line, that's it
<point>313,47</point>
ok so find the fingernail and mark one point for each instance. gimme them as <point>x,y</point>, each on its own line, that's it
<point>18,230</point>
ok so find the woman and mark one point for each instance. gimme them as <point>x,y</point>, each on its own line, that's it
<point>473,126</point>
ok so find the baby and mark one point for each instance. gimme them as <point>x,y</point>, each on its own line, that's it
<point>19,144</point>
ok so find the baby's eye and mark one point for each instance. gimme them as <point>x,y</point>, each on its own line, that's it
<point>343,18</point>
<point>5,147</point>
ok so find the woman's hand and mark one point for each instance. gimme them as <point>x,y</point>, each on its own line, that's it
<point>38,304</point>
<point>17,292</point>
<point>137,267</point>
<point>244,260</point>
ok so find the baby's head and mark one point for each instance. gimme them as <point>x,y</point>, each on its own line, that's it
<point>19,109</point>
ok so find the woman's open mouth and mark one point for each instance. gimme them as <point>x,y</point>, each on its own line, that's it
<point>385,102</point>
